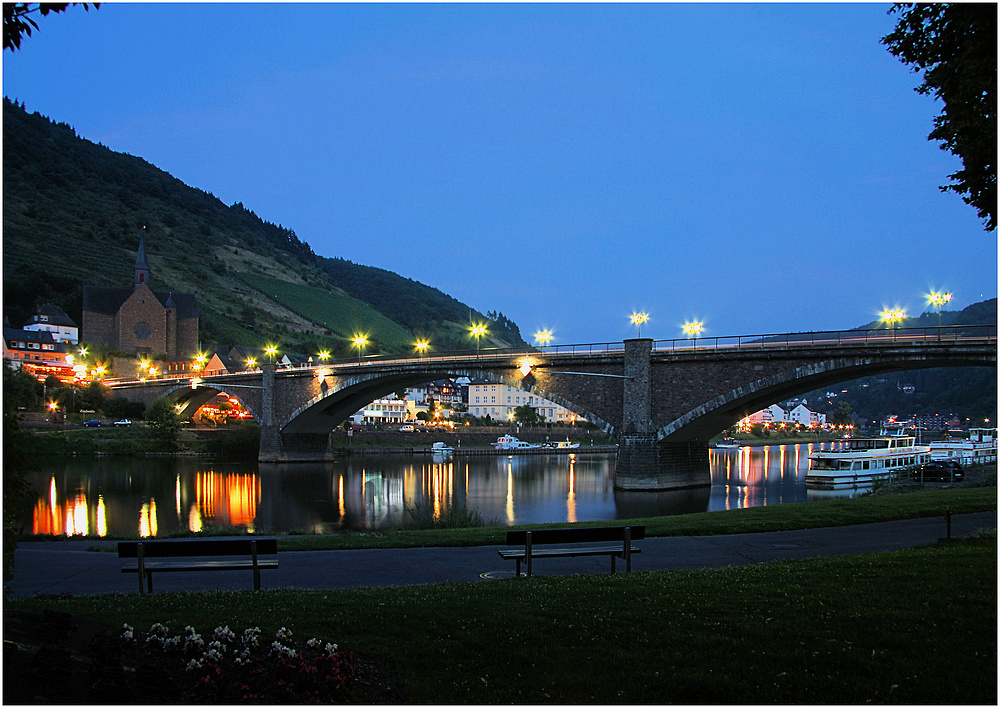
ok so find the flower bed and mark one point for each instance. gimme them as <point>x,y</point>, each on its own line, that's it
<point>228,668</point>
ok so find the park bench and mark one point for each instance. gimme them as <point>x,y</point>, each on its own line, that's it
<point>175,556</point>
<point>616,542</point>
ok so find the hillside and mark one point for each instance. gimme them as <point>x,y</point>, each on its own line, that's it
<point>73,214</point>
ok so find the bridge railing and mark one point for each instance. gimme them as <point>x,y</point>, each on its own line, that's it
<point>944,334</point>
<point>950,333</point>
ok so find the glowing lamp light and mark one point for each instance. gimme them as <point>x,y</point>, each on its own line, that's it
<point>195,382</point>
<point>421,347</point>
<point>543,337</point>
<point>251,362</point>
<point>52,406</point>
<point>271,350</point>
<point>692,328</point>
<point>525,367</point>
<point>324,355</point>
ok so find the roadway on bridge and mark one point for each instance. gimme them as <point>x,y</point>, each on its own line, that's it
<point>68,567</point>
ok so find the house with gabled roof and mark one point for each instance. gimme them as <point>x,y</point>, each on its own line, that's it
<point>52,318</point>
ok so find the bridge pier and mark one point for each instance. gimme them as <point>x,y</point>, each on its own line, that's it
<point>643,463</point>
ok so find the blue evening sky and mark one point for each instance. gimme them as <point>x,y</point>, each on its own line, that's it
<point>760,168</point>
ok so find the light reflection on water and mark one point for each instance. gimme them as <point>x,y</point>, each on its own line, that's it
<point>158,497</point>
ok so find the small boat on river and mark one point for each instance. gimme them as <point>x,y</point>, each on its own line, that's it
<point>862,461</point>
<point>439,448</point>
<point>509,442</point>
<point>728,444</point>
<point>561,445</point>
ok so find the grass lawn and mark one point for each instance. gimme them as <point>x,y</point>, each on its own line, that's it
<point>914,626</point>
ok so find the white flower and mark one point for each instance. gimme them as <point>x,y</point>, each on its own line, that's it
<point>193,664</point>
<point>213,655</point>
<point>217,646</point>
<point>331,649</point>
<point>127,635</point>
<point>189,631</point>
<point>283,634</point>
<point>223,634</point>
<point>313,643</point>
<point>158,629</point>
<point>127,628</point>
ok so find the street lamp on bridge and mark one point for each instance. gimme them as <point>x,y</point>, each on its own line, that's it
<point>478,331</point>
<point>421,347</point>
<point>892,318</point>
<point>360,341</point>
<point>543,337</point>
<point>937,300</point>
<point>638,319</point>
<point>693,329</point>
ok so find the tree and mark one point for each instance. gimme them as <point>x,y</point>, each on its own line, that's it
<point>955,45</point>
<point>162,417</point>
<point>526,415</point>
<point>18,23</point>
<point>843,415</point>
<point>20,389</point>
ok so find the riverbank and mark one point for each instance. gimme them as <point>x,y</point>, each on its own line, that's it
<point>913,626</point>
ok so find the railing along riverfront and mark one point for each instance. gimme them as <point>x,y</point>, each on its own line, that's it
<point>703,345</point>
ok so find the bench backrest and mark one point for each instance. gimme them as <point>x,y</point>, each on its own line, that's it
<point>584,535</point>
<point>197,547</point>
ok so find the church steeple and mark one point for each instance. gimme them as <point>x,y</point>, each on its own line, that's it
<point>141,264</point>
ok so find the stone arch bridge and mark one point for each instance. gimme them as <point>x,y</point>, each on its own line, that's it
<point>662,399</point>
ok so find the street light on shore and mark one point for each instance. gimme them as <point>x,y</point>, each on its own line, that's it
<point>543,337</point>
<point>638,319</point>
<point>421,347</point>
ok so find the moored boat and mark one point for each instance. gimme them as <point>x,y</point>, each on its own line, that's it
<point>509,442</point>
<point>862,461</point>
<point>562,445</point>
<point>728,444</point>
<point>979,447</point>
<point>441,448</point>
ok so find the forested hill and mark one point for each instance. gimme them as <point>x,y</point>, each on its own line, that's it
<point>74,212</point>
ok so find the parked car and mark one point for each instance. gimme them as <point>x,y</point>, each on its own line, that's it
<point>123,422</point>
<point>406,429</point>
<point>939,471</point>
<point>92,423</point>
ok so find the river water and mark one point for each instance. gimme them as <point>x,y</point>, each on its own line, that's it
<point>158,496</point>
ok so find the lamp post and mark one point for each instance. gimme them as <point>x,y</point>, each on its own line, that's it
<point>937,300</point>
<point>543,338</point>
<point>693,329</point>
<point>638,318</point>
<point>421,347</point>
<point>360,341</point>
<point>478,331</point>
<point>892,318</point>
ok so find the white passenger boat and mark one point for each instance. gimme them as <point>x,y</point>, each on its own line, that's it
<point>441,448</point>
<point>979,447</point>
<point>509,442</point>
<point>862,461</point>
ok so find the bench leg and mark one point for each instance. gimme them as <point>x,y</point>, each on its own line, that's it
<point>517,567</point>
<point>149,582</point>
<point>613,559</point>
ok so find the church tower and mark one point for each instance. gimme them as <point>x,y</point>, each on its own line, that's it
<point>141,265</point>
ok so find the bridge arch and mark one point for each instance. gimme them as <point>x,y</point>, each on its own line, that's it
<point>336,403</point>
<point>190,400</point>
<point>721,412</point>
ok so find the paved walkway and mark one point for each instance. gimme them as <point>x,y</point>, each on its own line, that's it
<point>60,567</point>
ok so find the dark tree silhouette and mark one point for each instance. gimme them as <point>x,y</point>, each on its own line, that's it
<point>955,46</point>
<point>18,21</point>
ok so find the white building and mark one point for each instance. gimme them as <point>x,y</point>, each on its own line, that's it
<point>50,318</point>
<point>498,401</point>
<point>382,411</point>
<point>776,415</point>
<point>803,416</point>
